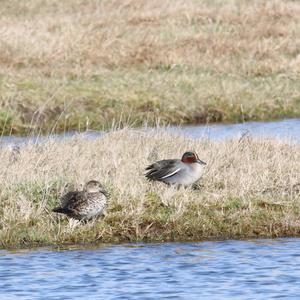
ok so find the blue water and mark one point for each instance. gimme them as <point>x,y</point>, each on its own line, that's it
<point>256,269</point>
<point>288,130</point>
<point>284,130</point>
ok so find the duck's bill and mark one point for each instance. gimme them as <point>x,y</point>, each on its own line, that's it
<point>201,162</point>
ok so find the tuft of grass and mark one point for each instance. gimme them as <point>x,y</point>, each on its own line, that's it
<point>85,64</point>
<point>250,188</point>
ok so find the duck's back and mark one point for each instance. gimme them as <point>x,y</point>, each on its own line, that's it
<point>72,199</point>
<point>82,205</point>
<point>162,169</point>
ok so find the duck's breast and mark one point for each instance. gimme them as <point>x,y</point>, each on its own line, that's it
<point>188,174</point>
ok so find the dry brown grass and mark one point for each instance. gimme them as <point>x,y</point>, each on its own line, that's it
<point>58,37</point>
<point>251,188</point>
<point>89,62</point>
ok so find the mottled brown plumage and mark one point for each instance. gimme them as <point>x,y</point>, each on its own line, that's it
<point>84,205</point>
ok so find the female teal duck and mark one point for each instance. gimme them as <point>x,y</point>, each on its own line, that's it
<point>84,205</point>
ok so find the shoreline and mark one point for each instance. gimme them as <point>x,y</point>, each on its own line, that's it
<point>13,123</point>
<point>103,128</point>
<point>97,133</point>
<point>99,244</point>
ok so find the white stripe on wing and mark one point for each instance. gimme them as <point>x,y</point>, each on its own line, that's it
<point>171,174</point>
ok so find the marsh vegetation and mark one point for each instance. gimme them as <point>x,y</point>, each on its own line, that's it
<point>89,64</point>
<point>250,188</point>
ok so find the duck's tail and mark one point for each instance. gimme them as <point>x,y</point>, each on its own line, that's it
<point>61,210</point>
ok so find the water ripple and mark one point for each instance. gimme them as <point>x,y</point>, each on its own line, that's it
<point>258,269</point>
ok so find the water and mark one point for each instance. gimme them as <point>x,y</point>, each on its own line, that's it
<point>285,130</point>
<point>257,269</point>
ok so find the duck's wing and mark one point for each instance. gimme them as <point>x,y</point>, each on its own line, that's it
<point>71,199</point>
<point>163,169</point>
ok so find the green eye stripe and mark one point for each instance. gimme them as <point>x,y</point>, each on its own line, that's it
<point>189,154</point>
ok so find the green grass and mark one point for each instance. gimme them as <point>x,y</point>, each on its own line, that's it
<point>250,188</point>
<point>89,64</point>
<point>140,97</point>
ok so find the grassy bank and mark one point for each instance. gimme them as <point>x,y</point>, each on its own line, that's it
<point>84,64</point>
<point>251,188</point>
